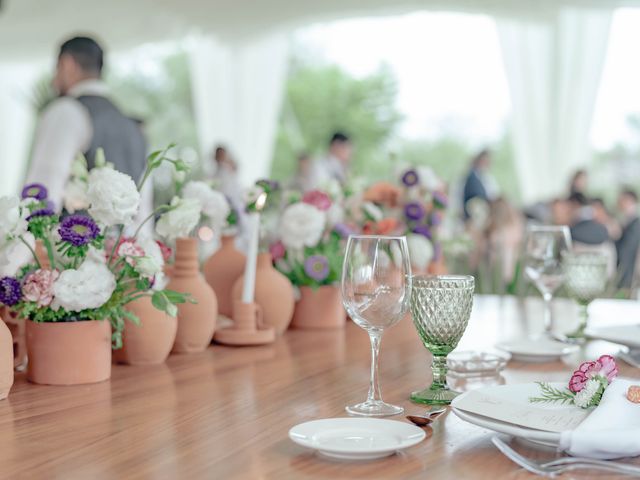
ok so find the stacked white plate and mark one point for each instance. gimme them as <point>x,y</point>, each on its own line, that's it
<point>537,350</point>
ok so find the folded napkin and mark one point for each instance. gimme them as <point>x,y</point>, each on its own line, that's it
<point>612,430</point>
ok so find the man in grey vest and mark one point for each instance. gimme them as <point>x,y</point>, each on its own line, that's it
<point>82,120</point>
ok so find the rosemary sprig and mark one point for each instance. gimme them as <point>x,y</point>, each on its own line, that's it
<point>551,394</point>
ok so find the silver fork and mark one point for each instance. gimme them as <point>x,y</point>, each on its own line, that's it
<point>565,464</point>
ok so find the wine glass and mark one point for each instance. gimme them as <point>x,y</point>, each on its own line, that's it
<point>586,280</point>
<point>440,307</point>
<point>544,249</point>
<point>376,291</point>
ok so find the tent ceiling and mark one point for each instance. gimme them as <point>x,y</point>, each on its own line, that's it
<point>32,28</point>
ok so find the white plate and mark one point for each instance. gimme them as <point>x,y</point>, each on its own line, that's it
<point>537,350</point>
<point>628,335</point>
<point>517,395</point>
<point>356,438</point>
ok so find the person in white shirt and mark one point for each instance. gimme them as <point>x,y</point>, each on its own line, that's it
<point>335,166</point>
<point>82,120</point>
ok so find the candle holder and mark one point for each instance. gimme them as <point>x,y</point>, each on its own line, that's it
<point>247,328</point>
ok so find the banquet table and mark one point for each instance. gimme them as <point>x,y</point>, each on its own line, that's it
<point>226,412</point>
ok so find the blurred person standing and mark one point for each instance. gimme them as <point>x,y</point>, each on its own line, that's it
<point>226,179</point>
<point>579,183</point>
<point>335,166</point>
<point>303,180</point>
<point>629,242</point>
<point>479,182</point>
<point>82,120</point>
<point>584,226</point>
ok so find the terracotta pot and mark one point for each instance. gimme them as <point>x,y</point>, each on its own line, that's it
<point>274,294</point>
<point>196,321</point>
<point>69,353</point>
<point>150,342</point>
<point>16,328</point>
<point>222,270</point>
<point>6,360</point>
<point>319,308</point>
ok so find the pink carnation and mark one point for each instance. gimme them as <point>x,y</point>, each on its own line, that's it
<point>277,250</point>
<point>604,366</point>
<point>130,250</point>
<point>318,199</point>
<point>38,286</point>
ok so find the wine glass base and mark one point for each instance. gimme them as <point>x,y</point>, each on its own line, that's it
<point>434,396</point>
<point>374,409</point>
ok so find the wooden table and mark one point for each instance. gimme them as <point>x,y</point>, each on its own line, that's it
<point>225,413</point>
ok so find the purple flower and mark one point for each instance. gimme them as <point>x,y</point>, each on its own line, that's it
<point>410,177</point>
<point>343,230</point>
<point>10,292</point>
<point>43,212</point>
<point>435,219</point>
<point>414,211</point>
<point>317,267</point>
<point>34,190</point>
<point>78,230</point>
<point>440,200</point>
<point>423,230</point>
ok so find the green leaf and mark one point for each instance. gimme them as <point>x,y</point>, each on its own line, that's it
<point>159,300</point>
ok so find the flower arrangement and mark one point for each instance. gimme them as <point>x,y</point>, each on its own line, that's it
<point>90,270</point>
<point>586,386</point>
<point>310,244</point>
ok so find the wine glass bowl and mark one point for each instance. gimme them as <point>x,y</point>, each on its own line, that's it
<point>440,307</point>
<point>376,292</point>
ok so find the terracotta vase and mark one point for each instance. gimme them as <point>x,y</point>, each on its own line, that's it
<point>274,294</point>
<point>6,360</point>
<point>319,308</point>
<point>16,328</point>
<point>150,342</point>
<point>222,270</point>
<point>68,353</point>
<point>196,321</point>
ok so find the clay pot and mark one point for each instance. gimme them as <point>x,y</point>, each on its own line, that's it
<point>274,294</point>
<point>16,328</point>
<point>6,360</point>
<point>150,342</point>
<point>319,308</point>
<point>69,353</point>
<point>196,321</point>
<point>222,270</point>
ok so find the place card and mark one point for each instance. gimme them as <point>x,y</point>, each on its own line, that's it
<point>523,415</point>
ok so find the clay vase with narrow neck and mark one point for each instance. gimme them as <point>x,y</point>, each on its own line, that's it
<point>319,308</point>
<point>222,270</point>
<point>150,342</point>
<point>196,321</point>
<point>274,294</point>
<point>6,360</point>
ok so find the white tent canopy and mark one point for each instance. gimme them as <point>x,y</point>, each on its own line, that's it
<point>239,66</point>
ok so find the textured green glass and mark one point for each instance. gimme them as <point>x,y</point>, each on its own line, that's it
<point>440,308</point>
<point>585,280</point>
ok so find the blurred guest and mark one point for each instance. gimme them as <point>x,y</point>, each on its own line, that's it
<point>602,215</point>
<point>303,178</point>
<point>504,236</point>
<point>82,120</point>
<point>225,177</point>
<point>561,212</point>
<point>629,242</point>
<point>579,183</point>
<point>480,183</point>
<point>584,227</point>
<point>335,166</point>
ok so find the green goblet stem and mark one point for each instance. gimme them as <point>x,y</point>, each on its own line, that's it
<point>439,370</point>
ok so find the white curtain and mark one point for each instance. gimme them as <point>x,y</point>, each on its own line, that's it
<point>17,116</point>
<point>237,92</point>
<point>553,64</point>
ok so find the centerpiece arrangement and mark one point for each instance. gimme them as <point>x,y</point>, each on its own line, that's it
<point>83,272</point>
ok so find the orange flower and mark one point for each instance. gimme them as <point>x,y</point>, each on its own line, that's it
<point>384,193</point>
<point>386,226</point>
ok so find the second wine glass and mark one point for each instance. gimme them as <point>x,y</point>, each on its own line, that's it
<point>376,291</point>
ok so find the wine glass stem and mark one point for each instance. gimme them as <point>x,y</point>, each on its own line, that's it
<point>375,395</point>
<point>439,371</point>
<point>584,317</point>
<point>547,312</point>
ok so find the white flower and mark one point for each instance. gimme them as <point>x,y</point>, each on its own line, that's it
<point>420,251</point>
<point>147,266</point>
<point>113,196</point>
<point>428,178</point>
<point>335,214</point>
<point>13,221</point>
<point>151,264</point>
<point>14,255</point>
<point>302,225</point>
<point>79,167</point>
<point>75,196</point>
<point>373,211</point>
<point>90,286</point>
<point>252,193</point>
<point>213,203</point>
<point>181,220</point>
<point>584,397</point>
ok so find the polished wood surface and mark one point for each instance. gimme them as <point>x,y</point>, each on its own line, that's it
<point>225,413</point>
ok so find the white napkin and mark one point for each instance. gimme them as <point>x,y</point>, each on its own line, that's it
<point>611,431</point>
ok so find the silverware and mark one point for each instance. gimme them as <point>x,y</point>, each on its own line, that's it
<point>564,464</point>
<point>424,420</point>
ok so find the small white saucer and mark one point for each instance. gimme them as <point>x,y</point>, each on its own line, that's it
<point>537,350</point>
<point>356,438</point>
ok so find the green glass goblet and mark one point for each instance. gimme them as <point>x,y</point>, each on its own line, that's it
<point>585,280</point>
<point>440,308</point>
